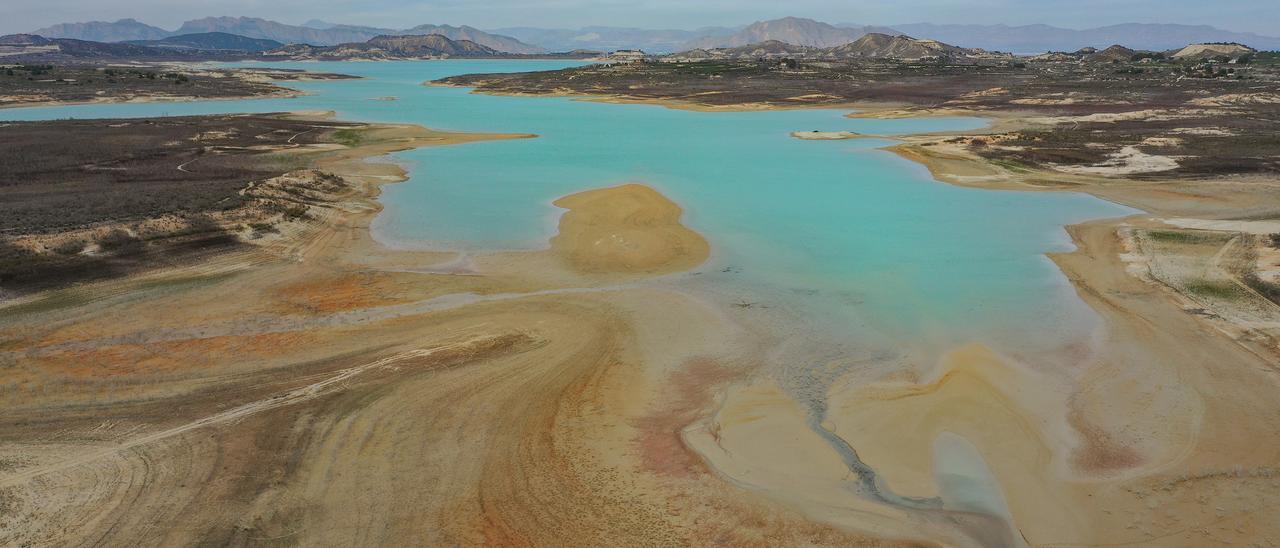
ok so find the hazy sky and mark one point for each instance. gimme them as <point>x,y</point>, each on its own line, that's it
<point>1261,16</point>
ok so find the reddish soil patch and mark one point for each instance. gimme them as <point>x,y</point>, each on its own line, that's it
<point>690,389</point>
<point>168,357</point>
<point>347,292</point>
<point>1101,452</point>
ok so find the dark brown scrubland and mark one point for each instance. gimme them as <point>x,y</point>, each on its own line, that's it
<point>36,83</point>
<point>1222,117</point>
<point>123,195</point>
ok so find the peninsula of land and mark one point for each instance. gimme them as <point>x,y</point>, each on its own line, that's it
<point>1170,411</point>
<point>235,360</point>
<point>279,362</point>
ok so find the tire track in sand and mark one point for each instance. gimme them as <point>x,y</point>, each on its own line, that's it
<point>296,395</point>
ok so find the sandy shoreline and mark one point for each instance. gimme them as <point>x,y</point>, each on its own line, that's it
<point>284,94</point>
<point>999,120</point>
<point>259,76</point>
<point>316,388</point>
<point>669,103</point>
<point>1172,393</point>
<point>1081,457</point>
<point>537,396</point>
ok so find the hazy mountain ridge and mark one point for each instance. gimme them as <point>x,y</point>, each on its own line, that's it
<point>1113,54</point>
<point>18,45</point>
<point>319,24</point>
<point>24,40</point>
<point>498,42</point>
<point>792,30</point>
<point>876,45</point>
<point>613,38</point>
<point>388,47</point>
<point>211,41</point>
<point>126,30</point>
<point>872,45</point>
<point>253,27</point>
<point>1042,38</point>
<point>104,31</point>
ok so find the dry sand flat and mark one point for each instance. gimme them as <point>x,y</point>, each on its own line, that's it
<point>1164,434</point>
<point>626,229</point>
<point>816,135</point>
<point>1164,437</point>
<point>315,390</point>
<point>1172,424</point>
<point>324,390</point>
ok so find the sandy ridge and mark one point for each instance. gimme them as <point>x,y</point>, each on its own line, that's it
<point>540,432</point>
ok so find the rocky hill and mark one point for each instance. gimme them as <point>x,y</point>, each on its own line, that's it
<point>1113,54</point>
<point>505,44</point>
<point>870,46</point>
<point>1028,39</point>
<point>431,46</point>
<point>883,46</point>
<point>253,27</point>
<point>1213,51</point>
<point>211,41</point>
<point>23,47</point>
<point>771,48</point>
<point>24,40</point>
<point>103,31</point>
<point>325,34</point>
<point>792,30</point>
<point>612,38</point>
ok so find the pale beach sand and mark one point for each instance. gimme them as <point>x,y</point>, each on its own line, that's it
<point>328,390</point>
<point>315,388</point>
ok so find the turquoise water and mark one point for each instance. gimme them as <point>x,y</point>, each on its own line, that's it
<point>868,238</point>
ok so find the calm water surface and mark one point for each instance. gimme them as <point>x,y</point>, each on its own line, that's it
<point>858,237</point>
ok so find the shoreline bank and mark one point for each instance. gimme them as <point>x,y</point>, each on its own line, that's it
<point>249,84</point>
<point>1190,432</point>
<point>285,93</point>
<point>313,388</point>
<point>358,276</point>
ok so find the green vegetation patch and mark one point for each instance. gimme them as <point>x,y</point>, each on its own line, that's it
<point>283,162</point>
<point>1267,289</point>
<point>349,137</point>
<point>1188,237</point>
<point>54,300</point>
<point>1214,289</point>
<point>1268,58</point>
<point>1011,165</point>
<point>59,299</point>
<point>183,282</point>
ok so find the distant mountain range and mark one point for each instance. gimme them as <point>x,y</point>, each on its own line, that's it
<point>613,38</point>
<point>253,27</point>
<point>769,49</point>
<point>210,41</point>
<point>102,31</point>
<point>1041,38</point>
<point>319,25</point>
<point>875,45</point>
<point>504,44</point>
<point>872,45</point>
<point>807,32</point>
<point>387,48</point>
<point>223,46</point>
<point>791,30</point>
<point>19,45</point>
<point>126,30</point>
